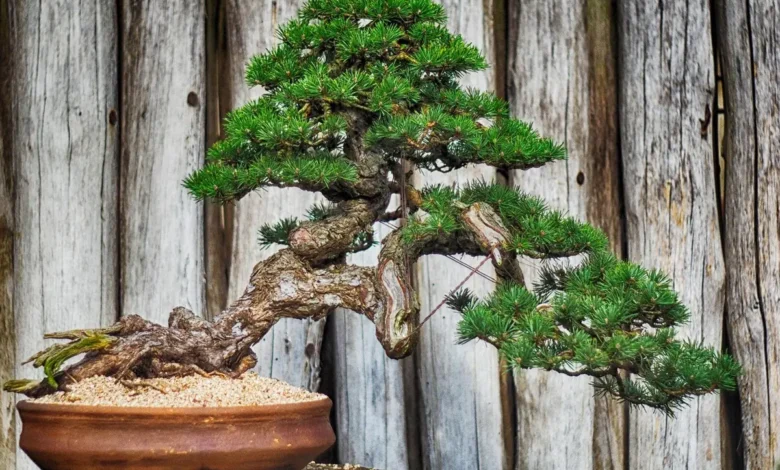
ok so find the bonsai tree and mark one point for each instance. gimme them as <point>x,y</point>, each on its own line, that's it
<point>359,92</point>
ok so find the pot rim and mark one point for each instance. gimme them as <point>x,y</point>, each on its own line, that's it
<point>268,410</point>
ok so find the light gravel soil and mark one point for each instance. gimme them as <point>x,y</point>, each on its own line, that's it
<point>191,391</point>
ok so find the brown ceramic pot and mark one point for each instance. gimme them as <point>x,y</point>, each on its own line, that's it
<point>72,437</point>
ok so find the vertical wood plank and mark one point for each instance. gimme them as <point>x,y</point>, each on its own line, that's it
<point>163,140</point>
<point>7,332</point>
<point>562,78</point>
<point>667,86</point>
<point>291,350</point>
<point>65,160</point>
<point>748,38</point>
<point>461,406</point>
<point>217,243</point>
<point>604,199</point>
<point>373,395</point>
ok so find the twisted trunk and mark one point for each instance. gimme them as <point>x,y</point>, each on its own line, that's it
<point>307,280</point>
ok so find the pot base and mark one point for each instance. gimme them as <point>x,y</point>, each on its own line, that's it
<point>72,437</point>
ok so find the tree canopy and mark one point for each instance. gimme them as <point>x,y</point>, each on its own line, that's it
<point>396,63</point>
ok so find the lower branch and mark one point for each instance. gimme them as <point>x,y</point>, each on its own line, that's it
<point>332,237</point>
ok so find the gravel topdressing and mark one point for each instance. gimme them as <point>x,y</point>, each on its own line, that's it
<point>181,392</point>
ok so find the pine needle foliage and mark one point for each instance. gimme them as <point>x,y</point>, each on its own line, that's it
<point>604,318</point>
<point>394,63</point>
<point>277,232</point>
<point>391,59</point>
<point>461,299</point>
<point>537,232</point>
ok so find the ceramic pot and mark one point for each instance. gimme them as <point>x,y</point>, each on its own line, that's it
<point>73,437</point>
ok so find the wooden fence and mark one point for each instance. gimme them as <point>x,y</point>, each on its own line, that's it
<point>105,105</point>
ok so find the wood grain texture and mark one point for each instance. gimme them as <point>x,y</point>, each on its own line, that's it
<point>667,87</point>
<point>216,216</point>
<point>748,38</point>
<point>291,350</point>
<point>461,403</point>
<point>562,78</point>
<point>7,331</point>
<point>163,140</point>
<point>65,160</point>
<point>373,397</point>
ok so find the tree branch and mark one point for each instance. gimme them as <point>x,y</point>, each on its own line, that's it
<point>485,235</point>
<point>332,237</point>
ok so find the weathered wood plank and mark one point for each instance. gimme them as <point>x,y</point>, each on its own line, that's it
<point>7,332</point>
<point>748,38</point>
<point>667,88</point>
<point>216,216</point>
<point>291,350</point>
<point>562,78</point>
<point>461,401</point>
<point>65,163</point>
<point>163,139</point>
<point>374,402</point>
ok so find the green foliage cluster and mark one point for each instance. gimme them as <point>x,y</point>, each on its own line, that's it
<point>81,341</point>
<point>392,67</point>
<point>442,139</point>
<point>604,318</point>
<point>268,146</point>
<point>277,232</point>
<point>393,62</point>
<point>536,231</point>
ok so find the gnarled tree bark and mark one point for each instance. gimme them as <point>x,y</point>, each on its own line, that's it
<point>291,351</point>
<point>307,280</point>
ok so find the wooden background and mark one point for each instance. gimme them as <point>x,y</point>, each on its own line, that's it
<point>670,110</point>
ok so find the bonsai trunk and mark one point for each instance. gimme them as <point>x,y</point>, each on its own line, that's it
<point>307,280</point>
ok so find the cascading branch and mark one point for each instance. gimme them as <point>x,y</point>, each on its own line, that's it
<point>599,319</point>
<point>356,91</point>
